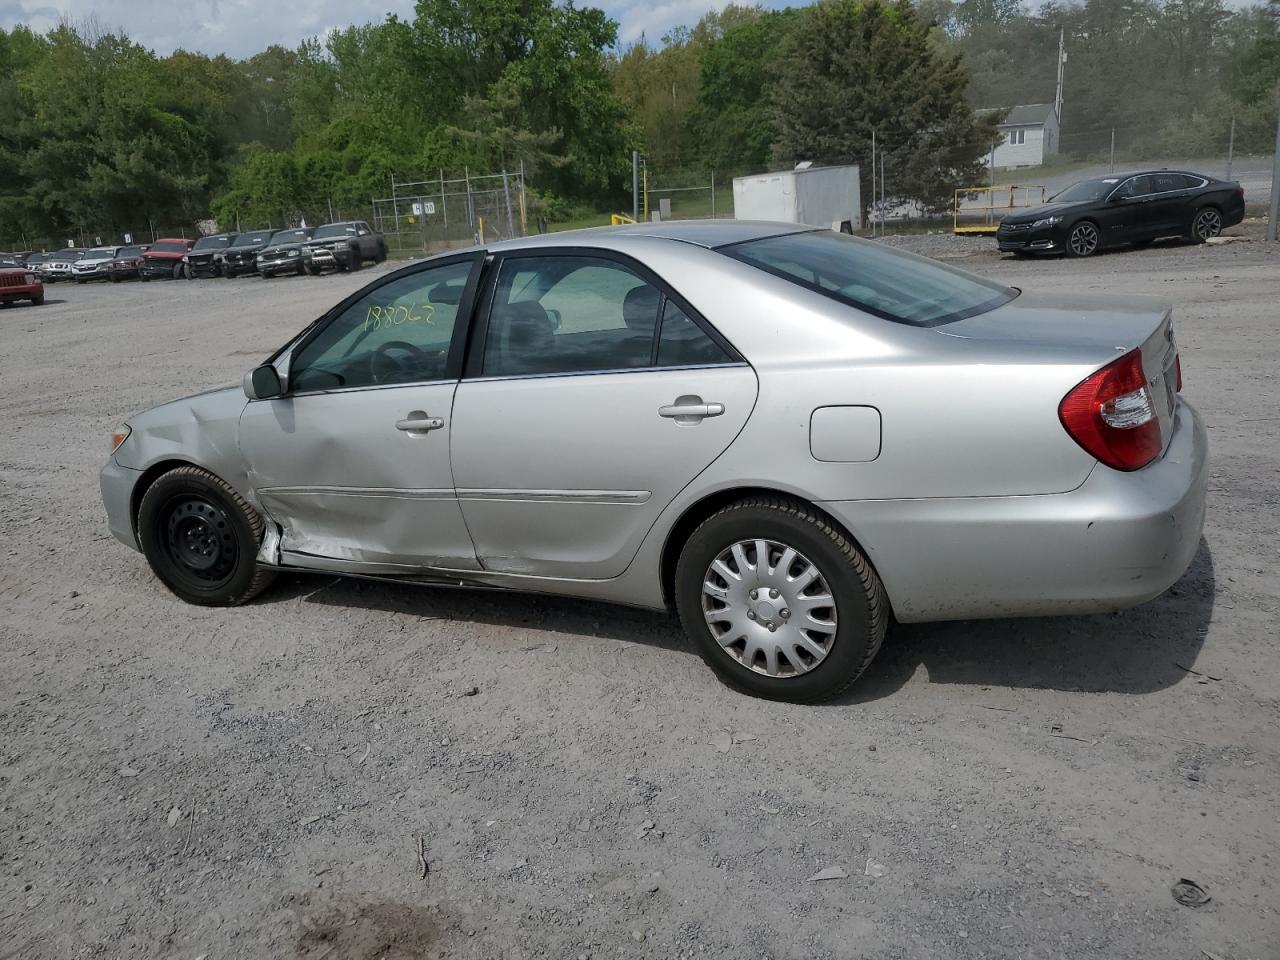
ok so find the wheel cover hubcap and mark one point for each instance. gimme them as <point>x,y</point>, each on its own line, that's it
<point>1084,238</point>
<point>769,607</point>
<point>199,539</point>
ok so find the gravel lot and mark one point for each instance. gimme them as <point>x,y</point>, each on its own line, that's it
<point>183,783</point>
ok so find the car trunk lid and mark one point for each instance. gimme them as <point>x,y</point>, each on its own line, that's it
<point>1095,328</point>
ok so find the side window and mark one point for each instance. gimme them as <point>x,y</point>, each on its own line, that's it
<point>569,315</point>
<point>1138,187</point>
<point>398,332</point>
<point>682,342</point>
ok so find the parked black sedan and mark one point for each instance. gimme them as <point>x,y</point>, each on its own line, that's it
<point>1131,208</point>
<point>284,253</point>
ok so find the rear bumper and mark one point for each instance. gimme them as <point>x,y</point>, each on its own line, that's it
<point>1117,540</point>
<point>117,485</point>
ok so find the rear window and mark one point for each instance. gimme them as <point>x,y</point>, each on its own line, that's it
<point>880,280</point>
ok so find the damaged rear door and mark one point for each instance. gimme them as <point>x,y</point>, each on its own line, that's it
<point>353,462</point>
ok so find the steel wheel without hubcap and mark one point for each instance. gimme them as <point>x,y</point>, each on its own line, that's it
<point>1208,224</point>
<point>199,541</point>
<point>770,608</point>
<point>1083,241</point>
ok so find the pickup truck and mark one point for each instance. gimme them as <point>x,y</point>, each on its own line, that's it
<point>343,246</point>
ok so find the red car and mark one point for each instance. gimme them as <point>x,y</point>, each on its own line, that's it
<point>164,259</point>
<point>19,283</point>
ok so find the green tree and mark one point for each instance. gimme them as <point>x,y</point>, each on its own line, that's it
<point>854,67</point>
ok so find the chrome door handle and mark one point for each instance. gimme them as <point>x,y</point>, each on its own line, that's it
<point>419,422</point>
<point>690,409</point>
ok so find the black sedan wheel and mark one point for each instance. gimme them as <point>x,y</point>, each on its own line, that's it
<point>201,538</point>
<point>1207,223</point>
<point>1083,239</point>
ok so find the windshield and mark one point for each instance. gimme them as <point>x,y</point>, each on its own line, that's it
<point>212,243</point>
<point>885,282</point>
<point>336,230</point>
<point>134,251</point>
<point>1086,190</point>
<point>251,239</point>
<point>173,247</point>
<point>101,253</point>
<point>291,236</point>
<point>8,261</point>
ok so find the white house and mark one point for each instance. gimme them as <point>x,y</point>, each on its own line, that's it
<point>1027,136</point>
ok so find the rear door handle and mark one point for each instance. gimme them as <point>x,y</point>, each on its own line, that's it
<point>690,409</point>
<point>419,422</point>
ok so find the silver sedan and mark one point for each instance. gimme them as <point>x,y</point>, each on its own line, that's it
<point>790,436</point>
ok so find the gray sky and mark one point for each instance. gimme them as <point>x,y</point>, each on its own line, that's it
<point>243,27</point>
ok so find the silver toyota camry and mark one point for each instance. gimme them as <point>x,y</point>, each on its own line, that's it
<point>790,436</point>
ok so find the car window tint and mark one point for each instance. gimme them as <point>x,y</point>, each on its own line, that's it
<point>398,332</point>
<point>1137,187</point>
<point>683,343</point>
<point>569,315</point>
<point>874,277</point>
<point>1165,182</point>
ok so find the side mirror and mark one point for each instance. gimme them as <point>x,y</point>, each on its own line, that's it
<point>263,383</point>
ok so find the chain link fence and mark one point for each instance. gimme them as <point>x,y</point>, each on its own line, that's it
<point>426,216</point>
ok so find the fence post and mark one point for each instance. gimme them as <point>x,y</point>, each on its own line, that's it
<point>1113,149</point>
<point>444,206</point>
<point>506,193</point>
<point>713,194</point>
<point>635,185</point>
<point>524,216</point>
<point>471,211</point>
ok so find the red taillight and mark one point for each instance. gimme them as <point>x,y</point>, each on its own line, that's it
<point>1112,414</point>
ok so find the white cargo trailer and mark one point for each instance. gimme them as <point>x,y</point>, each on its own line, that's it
<point>817,196</point>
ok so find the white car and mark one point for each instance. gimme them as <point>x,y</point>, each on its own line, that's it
<point>94,265</point>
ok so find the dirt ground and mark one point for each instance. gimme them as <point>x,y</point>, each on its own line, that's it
<point>184,783</point>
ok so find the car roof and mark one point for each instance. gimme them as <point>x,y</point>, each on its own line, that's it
<point>702,233</point>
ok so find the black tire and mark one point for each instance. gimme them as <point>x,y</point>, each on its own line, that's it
<point>201,538</point>
<point>1084,239</point>
<point>1206,223</point>
<point>354,260</point>
<point>114,279</point>
<point>38,300</point>
<point>381,255</point>
<point>177,271</point>
<point>859,601</point>
<point>314,271</point>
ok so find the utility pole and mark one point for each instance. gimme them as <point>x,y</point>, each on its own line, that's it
<point>1231,144</point>
<point>871,207</point>
<point>635,185</point>
<point>1275,183</point>
<point>1113,149</point>
<point>1062,60</point>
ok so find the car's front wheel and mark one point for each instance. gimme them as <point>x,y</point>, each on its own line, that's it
<point>779,600</point>
<point>1206,225</point>
<point>1083,240</point>
<point>201,538</point>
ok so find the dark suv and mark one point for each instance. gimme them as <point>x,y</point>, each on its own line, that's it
<point>241,256</point>
<point>343,246</point>
<point>284,253</point>
<point>202,261</point>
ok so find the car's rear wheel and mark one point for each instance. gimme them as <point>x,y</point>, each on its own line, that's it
<point>381,255</point>
<point>201,538</point>
<point>1206,225</point>
<point>1083,240</point>
<point>779,601</point>
<point>354,260</point>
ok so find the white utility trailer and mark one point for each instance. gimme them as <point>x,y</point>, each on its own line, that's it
<point>816,196</point>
